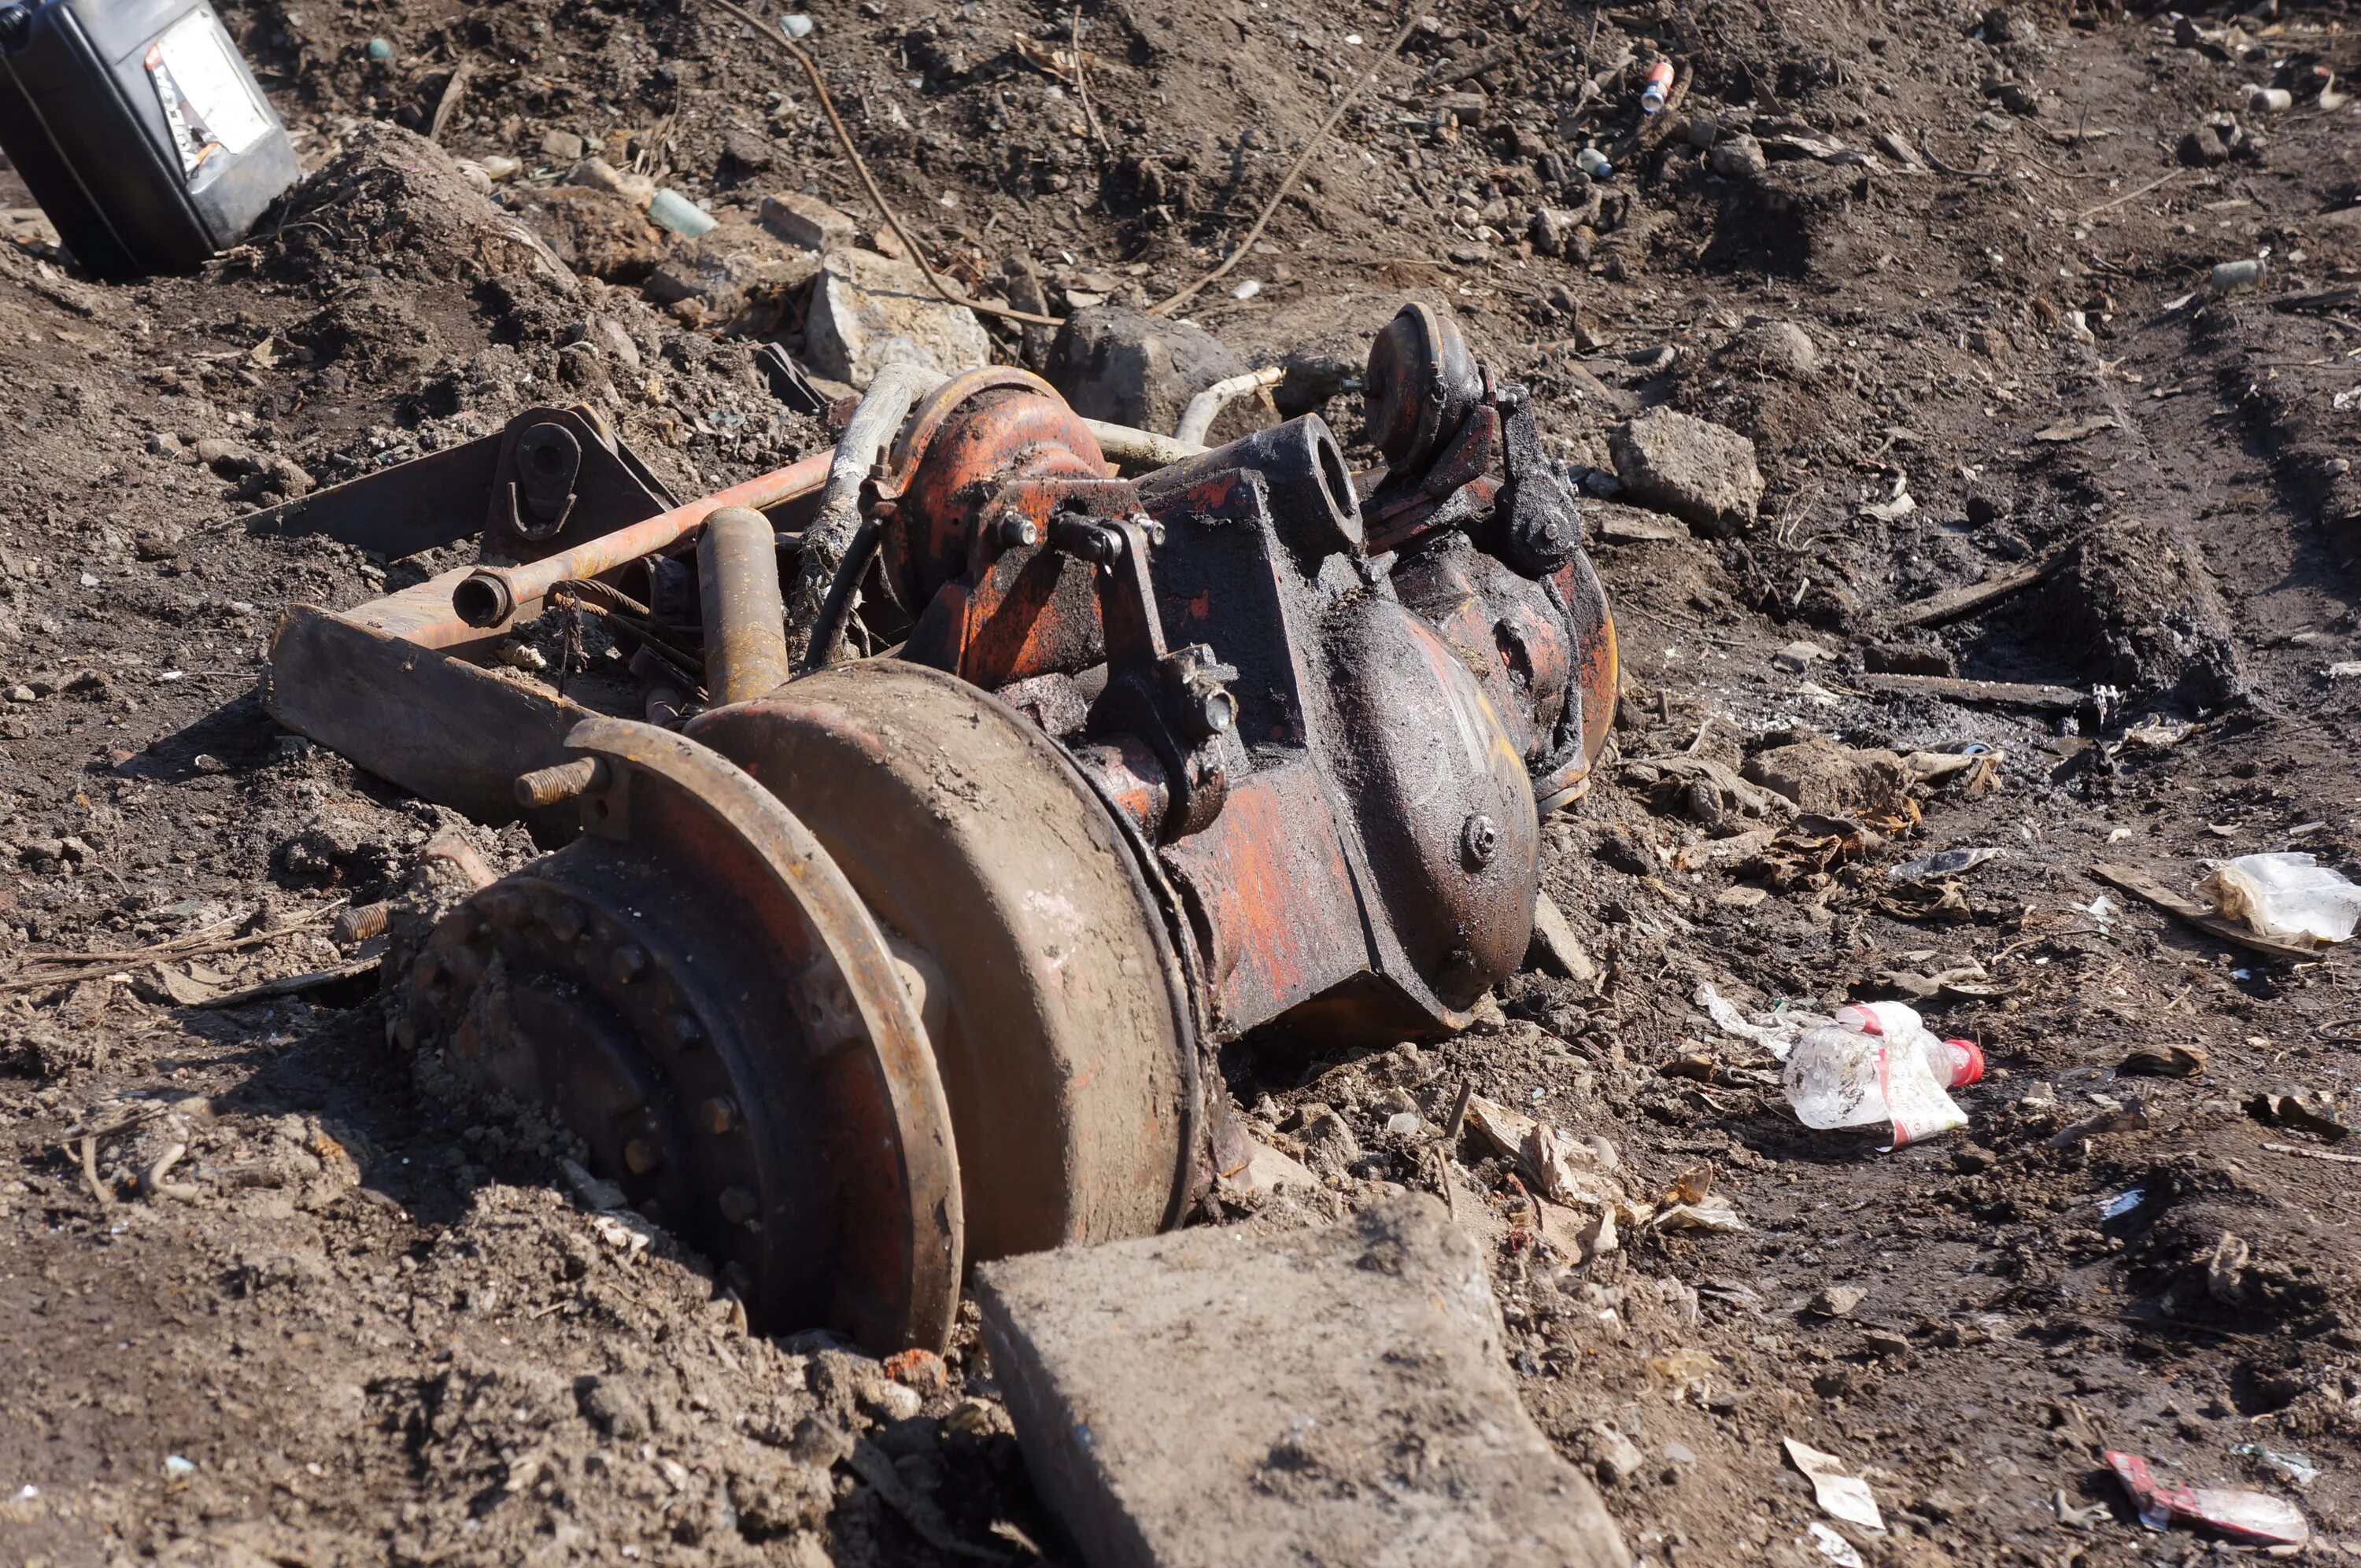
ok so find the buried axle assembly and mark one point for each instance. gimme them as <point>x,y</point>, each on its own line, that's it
<point>878,963</point>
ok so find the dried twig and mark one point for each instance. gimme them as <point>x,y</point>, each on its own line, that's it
<point>1082,85</point>
<point>89,966</point>
<point>868,182</point>
<point>2129,195</point>
<point>454,91</point>
<point>98,1190</point>
<point>1286,182</point>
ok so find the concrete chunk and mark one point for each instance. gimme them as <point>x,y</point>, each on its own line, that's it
<point>868,311</point>
<point>1114,363</point>
<point>1690,467</point>
<point>806,221</point>
<point>1338,1395</point>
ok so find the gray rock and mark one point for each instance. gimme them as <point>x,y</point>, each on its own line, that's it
<point>1738,157</point>
<point>1773,348</point>
<point>1613,1457</point>
<point>1550,231</point>
<point>734,271</point>
<point>868,311</point>
<point>806,221</point>
<point>1556,948</point>
<point>1189,1400</point>
<point>1124,365</point>
<point>1690,467</point>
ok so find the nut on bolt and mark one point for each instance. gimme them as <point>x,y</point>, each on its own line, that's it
<point>1479,841</point>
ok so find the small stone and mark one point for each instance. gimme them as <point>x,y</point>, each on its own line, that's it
<point>593,230</point>
<point>1738,157</point>
<point>1886,1345</point>
<point>1556,948</point>
<point>1693,468</point>
<point>1114,363</point>
<point>1772,347</point>
<point>1614,1458</point>
<point>1797,657</point>
<point>1551,230</point>
<point>739,274</point>
<point>806,221</point>
<point>890,1402</point>
<point>2202,148</point>
<point>1836,1301</point>
<point>563,147</point>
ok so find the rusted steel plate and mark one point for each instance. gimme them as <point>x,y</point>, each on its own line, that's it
<point>436,725</point>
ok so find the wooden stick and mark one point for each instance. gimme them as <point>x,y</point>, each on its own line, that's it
<point>1954,603</point>
<point>2148,890</point>
<point>454,91</point>
<point>2002,694</point>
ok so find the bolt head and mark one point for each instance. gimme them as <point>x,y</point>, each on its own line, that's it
<point>720,1115</point>
<point>626,962</point>
<point>642,1157</point>
<point>566,920</point>
<point>738,1205</point>
<point>1479,841</point>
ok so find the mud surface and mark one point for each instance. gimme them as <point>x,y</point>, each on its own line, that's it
<point>354,1320</point>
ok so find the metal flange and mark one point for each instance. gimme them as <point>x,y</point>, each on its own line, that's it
<point>696,991</point>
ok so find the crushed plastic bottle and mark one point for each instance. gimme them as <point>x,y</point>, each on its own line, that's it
<point>1879,1062</point>
<point>1659,88</point>
<point>2287,894</point>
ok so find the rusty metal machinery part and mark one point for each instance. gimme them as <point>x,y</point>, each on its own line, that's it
<point>695,990</point>
<point>1420,387</point>
<point>744,615</point>
<point>1057,1005</point>
<point>966,443</point>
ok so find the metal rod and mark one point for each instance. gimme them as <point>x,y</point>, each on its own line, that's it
<point>548,786</point>
<point>489,596</point>
<point>745,621</point>
<point>876,421</point>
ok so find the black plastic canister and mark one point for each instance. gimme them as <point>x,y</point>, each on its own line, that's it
<point>139,129</point>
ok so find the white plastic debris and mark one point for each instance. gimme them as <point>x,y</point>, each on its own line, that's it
<point>1776,1031</point>
<point>1878,1062</point>
<point>2288,893</point>
<point>1944,863</point>
<point>1834,1547</point>
<point>1840,1495</point>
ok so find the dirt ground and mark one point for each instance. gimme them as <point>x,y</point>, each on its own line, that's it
<point>359,1322</point>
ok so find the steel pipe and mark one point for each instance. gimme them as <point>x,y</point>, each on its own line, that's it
<point>745,620</point>
<point>1138,450</point>
<point>489,596</point>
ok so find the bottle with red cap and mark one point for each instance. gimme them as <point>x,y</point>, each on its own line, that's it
<point>1879,1062</point>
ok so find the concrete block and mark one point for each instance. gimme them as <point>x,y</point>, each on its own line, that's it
<point>869,310</point>
<point>806,221</point>
<point>1226,1398</point>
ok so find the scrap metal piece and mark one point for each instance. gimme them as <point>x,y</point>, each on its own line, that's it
<point>1057,1004</point>
<point>696,991</point>
<point>551,477</point>
<point>437,726</point>
<point>745,621</point>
